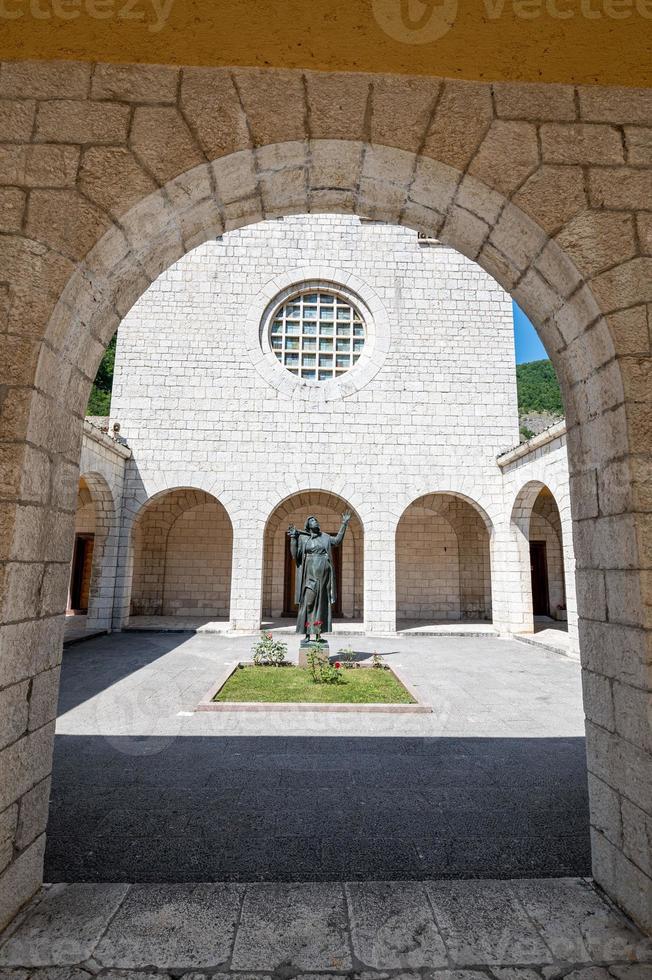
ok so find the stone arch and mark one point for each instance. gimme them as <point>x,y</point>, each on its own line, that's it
<point>95,503</point>
<point>536,514</point>
<point>82,259</point>
<point>328,507</point>
<point>443,561</point>
<point>182,547</point>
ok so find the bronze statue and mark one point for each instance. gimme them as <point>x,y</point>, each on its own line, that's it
<point>316,588</point>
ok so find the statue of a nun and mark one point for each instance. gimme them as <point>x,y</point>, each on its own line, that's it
<point>316,588</point>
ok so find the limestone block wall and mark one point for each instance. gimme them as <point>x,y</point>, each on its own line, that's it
<point>102,467</point>
<point>183,545</point>
<point>218,415</point>
<point>547,187</point>
<point>442,561</point>
<point>427,567</point>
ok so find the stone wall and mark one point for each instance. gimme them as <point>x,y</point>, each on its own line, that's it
<point>102,466</point>
<point>183,545</point>
<point>427,396</point>
<point>111,174</point>
<point>442,562</point>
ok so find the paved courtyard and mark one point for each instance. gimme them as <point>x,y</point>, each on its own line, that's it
<point>491,784</point>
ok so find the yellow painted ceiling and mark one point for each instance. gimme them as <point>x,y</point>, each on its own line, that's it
<point>576,41</point>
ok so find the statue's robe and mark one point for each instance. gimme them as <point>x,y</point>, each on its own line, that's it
<point>324,582</point>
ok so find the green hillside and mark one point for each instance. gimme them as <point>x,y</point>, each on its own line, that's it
<point>100,401</point>
<point>538,388</point>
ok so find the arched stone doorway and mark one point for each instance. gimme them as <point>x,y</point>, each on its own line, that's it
<point>488,187</point>
<point>547,558</point>
<point>182,556</point>
<point>278,569</point>
<point>92,568</point>
<point>538,527</point>
<point>443,570</point>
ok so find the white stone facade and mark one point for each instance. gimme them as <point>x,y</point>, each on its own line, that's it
<point>228,447</point>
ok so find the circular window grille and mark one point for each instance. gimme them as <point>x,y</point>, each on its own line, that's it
<point>317,335</point>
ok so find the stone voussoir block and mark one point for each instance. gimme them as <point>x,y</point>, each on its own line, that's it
<point>508,154</point>
<point>337,105</point>
<point>210,104</point>
<point>462,118</point>
<point>401,111</point>
<point>161,139</point>
<point>274,101</point>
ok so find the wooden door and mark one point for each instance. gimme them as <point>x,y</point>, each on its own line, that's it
<point>82,566</point>
<point>539,573</point>
<point>290,608</point>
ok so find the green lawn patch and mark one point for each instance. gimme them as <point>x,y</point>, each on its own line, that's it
<point>364,685</point>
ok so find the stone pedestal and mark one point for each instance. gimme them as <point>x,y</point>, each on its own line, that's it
<point>305,645</point>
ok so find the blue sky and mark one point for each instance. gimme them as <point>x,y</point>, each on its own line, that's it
<point>528,345</point>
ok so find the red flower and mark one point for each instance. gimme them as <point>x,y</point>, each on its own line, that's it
<point>337,665</point>
<point>318,622</point>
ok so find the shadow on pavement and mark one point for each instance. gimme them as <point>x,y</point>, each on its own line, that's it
<point>316,808</point>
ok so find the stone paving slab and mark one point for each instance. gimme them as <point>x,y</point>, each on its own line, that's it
<point>392,925</point>
<point>64,927</point>
<point>541,929</point>
<point>183,927</point>
<point>293,925</point>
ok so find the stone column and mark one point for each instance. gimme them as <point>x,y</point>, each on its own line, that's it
<point>568,555</point>
<point>380,577</point>
<point>511,589</point>
<point>247,575</point>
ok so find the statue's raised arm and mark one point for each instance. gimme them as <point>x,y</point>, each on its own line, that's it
<point>339,537</point>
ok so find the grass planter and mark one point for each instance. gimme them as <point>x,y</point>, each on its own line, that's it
<point>291,688</point>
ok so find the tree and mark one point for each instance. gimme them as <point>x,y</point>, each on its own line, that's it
<point>99,402</point>
<point>538,388</point>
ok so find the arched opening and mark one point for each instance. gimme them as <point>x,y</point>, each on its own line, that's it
<point>182,556</point>
<point>547,559</point>
<point>279,571</point>
<point>439,201</point>
<point>92,567</point>
<point>443,569</point>
<point>537,523</point>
